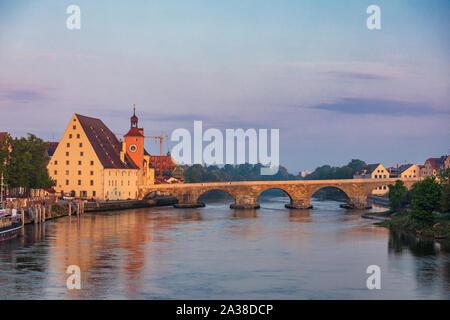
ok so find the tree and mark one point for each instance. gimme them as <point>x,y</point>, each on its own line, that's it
<point>445,184</point>
<point>356,164</point>
<point>28,164</point>
<point>398,196</point>
<point>426,196</point>
<point>5,143</point>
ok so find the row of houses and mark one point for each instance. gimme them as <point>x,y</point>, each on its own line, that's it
<point>431,167</point>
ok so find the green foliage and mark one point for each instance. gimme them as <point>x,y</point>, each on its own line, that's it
<point>426,196</point>
<point>4,155</point>
<point>243,172</point>
<point>445,183</point>
<point>398,196</point>
<point>27,165</point>
<point>328,172</point>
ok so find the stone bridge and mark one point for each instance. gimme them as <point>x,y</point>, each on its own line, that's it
<point>245,193</point>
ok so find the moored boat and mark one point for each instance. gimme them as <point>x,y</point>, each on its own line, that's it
<point>10,225</point>
<point>10,221</point>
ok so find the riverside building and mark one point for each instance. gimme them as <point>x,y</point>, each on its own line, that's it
<point>91,162</point>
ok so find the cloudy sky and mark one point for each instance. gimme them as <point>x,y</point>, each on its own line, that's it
<point>335,89</point>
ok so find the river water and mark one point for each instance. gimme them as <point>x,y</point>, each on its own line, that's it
<point>219,253</point>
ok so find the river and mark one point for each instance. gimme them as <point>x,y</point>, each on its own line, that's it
<point>219,253</point>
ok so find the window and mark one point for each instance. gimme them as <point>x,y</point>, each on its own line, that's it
<point>384,176</point>
<point>376,176</point>
<point>56,182</point>
<point>56,162</point>
<point>92,182</point>
<point>79,182</point>
<point>384,187</point>
<point>67,182</point>
<point>67,153</point>
<point>92,173</point>
<point>78,136</point>
<point>79,162</point>
<point>67,172</point>
<point>92,163</point>
<point>68,145</point>
<point>81,153</point>
<point>55,172</point>
<point>93,193</point>
<point>79,172</point>
<point>81,145</point>
<point>70,136</point>
<point>67,162</point>
<point>83,193</point>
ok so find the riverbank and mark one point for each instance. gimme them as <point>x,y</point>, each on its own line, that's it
<point>61,209</point>
<point>406,224</point>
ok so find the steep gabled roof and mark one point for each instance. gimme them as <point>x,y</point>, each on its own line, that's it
<point>368,169</point>
<point>105,144</point>
<point>434,162</point>
<point>404,167</point>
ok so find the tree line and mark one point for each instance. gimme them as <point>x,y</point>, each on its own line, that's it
<point>23,162</point>
<point>251,172</point>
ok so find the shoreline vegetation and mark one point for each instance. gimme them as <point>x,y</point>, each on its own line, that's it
<point>423,211</point>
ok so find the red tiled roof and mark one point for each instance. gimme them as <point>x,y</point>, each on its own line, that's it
<point>105,144</point>
<point>167,162</point>
<point>434,162</point>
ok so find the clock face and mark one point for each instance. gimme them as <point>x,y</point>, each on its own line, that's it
<point>133,148</point>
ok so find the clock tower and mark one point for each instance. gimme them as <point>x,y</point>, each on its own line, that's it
<point>134,141</point>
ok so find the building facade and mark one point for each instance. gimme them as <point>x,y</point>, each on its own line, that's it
<point>373,171</point>
<point>405,171</point>
<point>431,167</point>
<point>90,162</point>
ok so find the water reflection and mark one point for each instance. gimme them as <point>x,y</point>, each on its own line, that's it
<point>216,252</point>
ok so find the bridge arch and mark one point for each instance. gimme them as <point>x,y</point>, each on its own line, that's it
<point>331,192</point>
<point>284,190</point>
<point>210,191</point>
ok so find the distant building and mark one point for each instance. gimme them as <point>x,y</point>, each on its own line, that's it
<point>432,167</point>
<point>405,171</point>
<point>445,162</point>
<point>373,171</point>
<point>90,162</point>
<point>304,173</point>
<point>166,162</point>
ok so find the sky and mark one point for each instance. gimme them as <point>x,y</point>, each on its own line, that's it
<point>312,69</point>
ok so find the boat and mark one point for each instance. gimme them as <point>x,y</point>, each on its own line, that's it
<point>10,221</point>
<point>10,225</point>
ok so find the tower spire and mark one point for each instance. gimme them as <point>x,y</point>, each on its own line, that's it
<point>134,119</point>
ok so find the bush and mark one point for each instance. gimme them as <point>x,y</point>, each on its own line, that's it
<point>426,196</point>
<point>398,196</point>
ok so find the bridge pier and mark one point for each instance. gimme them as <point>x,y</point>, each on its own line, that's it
<point>245,202</point>
<point>357,203</point>
<point>299,204</point>
<point>189,205</point>
<point>188,200</point>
